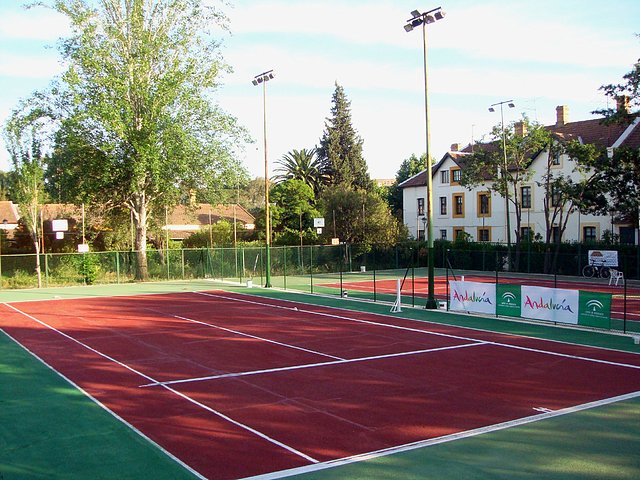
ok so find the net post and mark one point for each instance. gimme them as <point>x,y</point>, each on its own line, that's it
<point>397,305</point>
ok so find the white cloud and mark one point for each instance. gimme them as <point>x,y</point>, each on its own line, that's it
<point>29,66</point>
<point>33,24</point>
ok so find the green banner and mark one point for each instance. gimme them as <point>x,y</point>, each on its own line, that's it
<point>594,309</point>
<point>508,300</point>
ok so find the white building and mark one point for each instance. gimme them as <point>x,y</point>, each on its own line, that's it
<point>481,213</point>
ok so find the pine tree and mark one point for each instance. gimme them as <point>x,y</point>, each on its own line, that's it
<point>340,150</point>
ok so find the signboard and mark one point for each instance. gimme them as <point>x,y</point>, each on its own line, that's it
<point>607,258</point>
<point>592,309</point>
<point>551,304</point>
<point>595,309</point>
<point>318,222</point>
<point>61,225</point>
<point>335,241</point>
<point>59,235</point>
<point>83,248</point>
<point>508,300</point>
<point>475,297</point>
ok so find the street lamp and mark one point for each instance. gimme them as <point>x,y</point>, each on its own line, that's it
<point>263,78</point>
<point>416,20</point>
<point>505,167</point>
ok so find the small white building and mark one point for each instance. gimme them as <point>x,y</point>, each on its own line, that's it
<point>481,214</point>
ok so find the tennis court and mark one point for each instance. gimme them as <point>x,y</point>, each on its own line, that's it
<point>232,385</point>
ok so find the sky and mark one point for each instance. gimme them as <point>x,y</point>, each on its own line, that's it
<point>538,53</point>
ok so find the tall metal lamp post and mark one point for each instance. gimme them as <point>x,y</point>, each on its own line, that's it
<point>416,20</point>
<point>263,78</point>
<point>505,167</point>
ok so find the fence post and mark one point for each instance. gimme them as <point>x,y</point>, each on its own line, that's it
<point>182,260</point>
<point>117,267</point>
<point>374,274</point>
<point>311,266</point>
<point>284,267</point>
<point>46,269</point>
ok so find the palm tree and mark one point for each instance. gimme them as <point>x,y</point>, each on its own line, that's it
<point>302,165</point>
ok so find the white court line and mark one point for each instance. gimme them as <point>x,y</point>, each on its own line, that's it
<point>237,332</point>
<point>438,440</point>
<point>312,365</point>
<point>189,399</point>
<point>427,332</point>
<point>101,405</point>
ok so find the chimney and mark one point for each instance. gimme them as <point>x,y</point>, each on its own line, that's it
<point>455,147</point>
<point>562,115</point>
<point>520,129</point>
<point>622,103</point>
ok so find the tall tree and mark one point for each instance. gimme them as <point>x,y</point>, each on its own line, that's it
<point>622,171</point>
<point>565,194</point>
<point>294,210</point>
<point>340,150</point>
<point>486,166</point>
<point>360,217</point>
<point>138,126</point>
<point>625,95</point>
<point>302,165</point>
<point>25,132</point>
<point>408,168</point>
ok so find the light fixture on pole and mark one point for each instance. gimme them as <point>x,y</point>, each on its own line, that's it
<point>505,170</point>
<point>416,20</point>
<point>263,78</point>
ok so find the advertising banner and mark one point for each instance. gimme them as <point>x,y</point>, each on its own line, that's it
<point>475,297</point>
<point>509,300</point>
<point>551,304</point>
<point>595,309</point>
<point>607,258</point>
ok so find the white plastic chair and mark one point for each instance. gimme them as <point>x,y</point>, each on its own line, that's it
<point>616,275</point>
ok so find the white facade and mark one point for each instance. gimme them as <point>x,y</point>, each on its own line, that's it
<point>481,213</point>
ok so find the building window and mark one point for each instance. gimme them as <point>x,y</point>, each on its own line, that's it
<point>421,235</point>
<point>589,234</point>
<point>443,234</point>
<point>458,204</point>
<point>444,176</point>
<point>525,195</point>
<point>421,206</point>
<point>484,204</point>
<point>456,174</point>
<point>458,233</point>
<point>526,233</point>
<point>483,234</point>
<point>556,196</point>
<point>555,161</point>
<point>443,205</point>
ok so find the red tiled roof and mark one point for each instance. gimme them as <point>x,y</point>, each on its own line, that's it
<point>586,131</point>
<point>205,213</point>
<point>8,212</point>
<point>589,131</point>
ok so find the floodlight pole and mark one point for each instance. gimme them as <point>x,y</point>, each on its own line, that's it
<point>505,167</point>
<point>424,19</point>
<point>264,78</point>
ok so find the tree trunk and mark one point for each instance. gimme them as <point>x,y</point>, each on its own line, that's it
<point>140,223</point>
<point>36,244</point>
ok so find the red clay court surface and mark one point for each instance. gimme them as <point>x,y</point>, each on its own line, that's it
<point>419,289</point>
<point>237,386</point>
